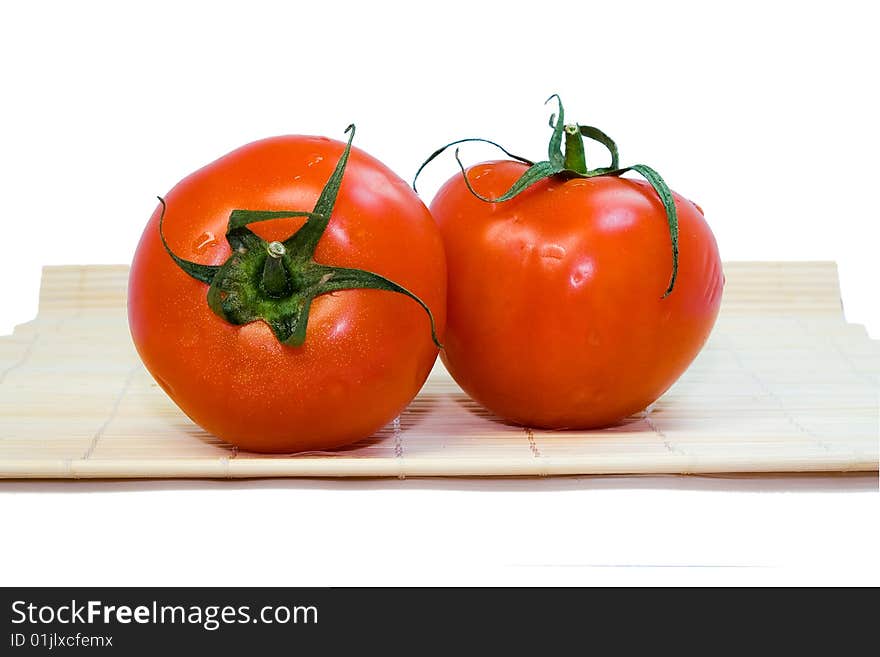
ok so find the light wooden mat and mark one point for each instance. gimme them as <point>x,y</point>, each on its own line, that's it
<point>784,385</point>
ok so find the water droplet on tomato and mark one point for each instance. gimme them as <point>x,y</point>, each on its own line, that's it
<point>553,251</point>
<point>205,241</point>
<point>315,159</point>
<point>582,272</point>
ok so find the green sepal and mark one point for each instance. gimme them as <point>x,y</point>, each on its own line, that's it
<point>322,279</point>
<point>234,293</point>
<point>668,201</point>
<point>238,219</point>
<point>304,242</point>
<point>597,135</point>
<point>203,273</point>
<point>237,228</point>
<point>532,175</point>
<point>554,149</point>
<point>291,329</point>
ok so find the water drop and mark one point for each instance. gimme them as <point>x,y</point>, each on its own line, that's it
<point>205,241</point>
<point>553,251</point>
<point>581,273</point>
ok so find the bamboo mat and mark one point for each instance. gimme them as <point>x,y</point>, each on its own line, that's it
<point>784,385</point>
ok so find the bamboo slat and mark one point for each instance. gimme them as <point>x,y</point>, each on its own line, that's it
<point>784,385</point>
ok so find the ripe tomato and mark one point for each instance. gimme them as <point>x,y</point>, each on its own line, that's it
<point>557,312</point>
<point>279,353</point>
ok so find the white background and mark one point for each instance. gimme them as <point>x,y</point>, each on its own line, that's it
<point>764,113</point>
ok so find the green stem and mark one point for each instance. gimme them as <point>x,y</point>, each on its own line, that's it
<point>575,157</point>
<point>275,279</point>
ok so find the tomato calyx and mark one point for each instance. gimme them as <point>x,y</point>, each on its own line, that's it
<point>276,281</point>
<point>571,163</point>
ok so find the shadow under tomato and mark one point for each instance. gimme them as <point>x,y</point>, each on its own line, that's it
<point>475,409</point>
<point>419,409</point>
<point>479,411</point>
<point>413,415</point>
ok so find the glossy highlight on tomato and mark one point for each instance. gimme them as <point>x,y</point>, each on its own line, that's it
<point>363,353</point>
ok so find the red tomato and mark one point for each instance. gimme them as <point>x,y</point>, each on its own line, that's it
<point>365,353</point>
<point>556,308</point>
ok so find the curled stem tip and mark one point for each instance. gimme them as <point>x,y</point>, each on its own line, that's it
<point>203,273</point>
<point>440,150</point>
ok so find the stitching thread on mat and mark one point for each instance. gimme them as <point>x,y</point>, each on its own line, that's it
<point>673,449</point>
<point>533,447</point>
<point>227,461</point>
<point>22,360</point>
<point>776,399</point>
<point>398,444</point>
<point>858,454</point>
<point>113,411</point>
<point>840,352</point>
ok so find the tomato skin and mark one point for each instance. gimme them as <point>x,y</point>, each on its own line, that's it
<point>366,352</point>
<point>556,315</point>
